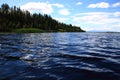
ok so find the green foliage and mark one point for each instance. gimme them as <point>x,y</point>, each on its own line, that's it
<point>13,18</point>
<point>28,30</point>
<point>61,30</point>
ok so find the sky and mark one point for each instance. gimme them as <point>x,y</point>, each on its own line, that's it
<point>90,15</point>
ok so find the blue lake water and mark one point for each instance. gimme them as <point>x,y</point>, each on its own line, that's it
<point>60,56</point>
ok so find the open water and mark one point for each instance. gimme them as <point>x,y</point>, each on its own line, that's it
<point>60,56</point>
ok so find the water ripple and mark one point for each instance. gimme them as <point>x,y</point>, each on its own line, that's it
<point>60,56</point>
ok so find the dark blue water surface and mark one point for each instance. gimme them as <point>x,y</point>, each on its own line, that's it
<point>60,56</point>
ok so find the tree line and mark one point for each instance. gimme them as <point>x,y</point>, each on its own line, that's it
<point>12,18</point>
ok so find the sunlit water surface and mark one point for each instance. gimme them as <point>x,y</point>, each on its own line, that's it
<point>60,56</point>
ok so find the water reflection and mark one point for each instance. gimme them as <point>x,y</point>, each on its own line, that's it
<point>60,56</point>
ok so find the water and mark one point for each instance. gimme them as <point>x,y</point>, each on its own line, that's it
<point>60,56</point>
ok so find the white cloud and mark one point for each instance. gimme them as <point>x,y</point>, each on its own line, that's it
<point>58,5</point>
<point>64,12</point>
<point>91,17</point>
<point>79,3</point>
<point>116,4</point>
<point>99,5</point>
<point>43,7</point>
<point>98,21</point>
<point>62,19</point>
<point>116,26</point>
<point>117,14</point>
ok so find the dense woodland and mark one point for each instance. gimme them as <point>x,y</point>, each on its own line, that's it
<point>12,18</point>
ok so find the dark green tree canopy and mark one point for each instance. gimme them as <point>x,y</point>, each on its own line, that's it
<point>12,18</point>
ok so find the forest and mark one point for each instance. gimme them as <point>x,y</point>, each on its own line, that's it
<point>13,18</point>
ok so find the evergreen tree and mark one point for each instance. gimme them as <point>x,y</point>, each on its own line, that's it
<point>12,18</point>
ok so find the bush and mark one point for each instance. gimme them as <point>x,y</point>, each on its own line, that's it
<point>28,30</point>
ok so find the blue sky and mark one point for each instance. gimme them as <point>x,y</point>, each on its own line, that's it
<point>102,15</point>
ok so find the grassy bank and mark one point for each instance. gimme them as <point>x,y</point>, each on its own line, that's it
<point>28,30</point>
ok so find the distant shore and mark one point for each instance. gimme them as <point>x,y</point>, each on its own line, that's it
<point>33,30</point>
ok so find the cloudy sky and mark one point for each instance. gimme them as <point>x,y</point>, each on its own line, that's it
<point>102,15</point>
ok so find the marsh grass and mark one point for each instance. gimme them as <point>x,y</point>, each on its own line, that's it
<point>28,30</point>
